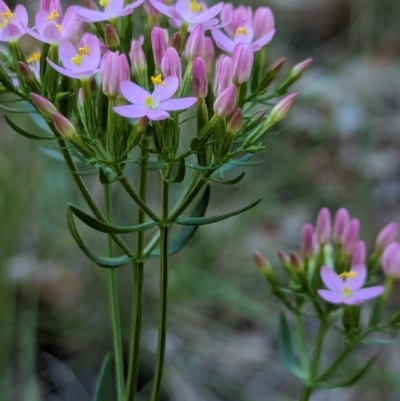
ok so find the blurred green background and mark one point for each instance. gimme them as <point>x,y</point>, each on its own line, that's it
<point>340,146</point>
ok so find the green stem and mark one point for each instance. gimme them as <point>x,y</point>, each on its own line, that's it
<point>114,304</point>
<point>162,326</point>
<point>134,351</point>
<point>301,341</point>
<point>306,393</point>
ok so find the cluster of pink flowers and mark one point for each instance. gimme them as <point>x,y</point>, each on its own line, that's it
<point>83,55</point>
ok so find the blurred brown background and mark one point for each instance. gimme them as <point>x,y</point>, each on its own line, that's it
<point>340,146</point>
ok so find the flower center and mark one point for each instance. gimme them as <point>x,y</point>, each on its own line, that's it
<point>149,101</point>
<point>53,16</point>
<point>33,58</point>
<point>241,31</point>
<point>82,52</point>
<point>104,3</point>
<point>347,293</point>
<point>157,80</point>
<point>195,7</point>
<point>350,274</point>
<point>7,16</point>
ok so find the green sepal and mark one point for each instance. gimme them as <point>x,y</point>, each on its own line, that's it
<point>348,382</point>
<point>200,221</point>
<point>22,132</point>
<point>288,355</point>
<point>185,234</point>
<point>109,263</point>
<point>107,176</point>
<point>230,182</point>
<point>180,173</point>
<point>98,225</point>
<point>104,390</point>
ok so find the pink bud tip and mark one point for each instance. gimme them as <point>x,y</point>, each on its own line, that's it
<point>226,101</point>
<point>171,64</point>
<point>309,243</point>
<point>138,58</point>
<point>296,260</point>
<point>114,69</point>
<point>340,224</point>
<point>159,44</point>
<point>391,260</point>
<point>63,126</point>
<point>200,80</point>
<point>351,236</point>
<point>242,57</point>
<point>234,122</point>
<point>223,74</point>
<point>195,43</point>
<point>282,108</point>
<point>386,236</point>
<point>359,254</point>
<point>299,69</point>
<point>284,258</point>
<point>323,226</point>
<point>261,262</point>
<point>43,105</point>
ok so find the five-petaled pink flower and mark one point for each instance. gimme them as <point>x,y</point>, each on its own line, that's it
<point>346,288</point>
<point>190,13</point>
<point>112,9</point>
<point>155,105</point>
<point>11,23</point>
<point>79,63</point>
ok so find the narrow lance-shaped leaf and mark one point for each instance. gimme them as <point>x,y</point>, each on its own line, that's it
<point>185,234</point>
<point>180,173</point>
<point>104,390</point>
<point>230,182</point>
<point>109,263</point>
<point>98,225</point>
<point>289,358</point>
<point>22,132</point>
<point>199,221</point>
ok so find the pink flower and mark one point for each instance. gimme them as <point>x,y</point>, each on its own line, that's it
<point>323,226</point>
<point>391,260</point>
<point>309,243</point>
<point>79,63</point>
<point>114,69</point>
<point>242,57</point>
<point>52,28</point>
<point>11,23</point>
<point>155,105</point>
<point>263,22</point>
<point>346,288</point>
<point>171,64</point>
<point>112,9</point>
<point>243,34</point>
<point>189,12</point>
<point>386,236</point>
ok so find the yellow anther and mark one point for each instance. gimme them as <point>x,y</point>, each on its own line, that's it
<point>59,27</point>
<point>148,101</point>
<point>53,16</point>
<point>84,51</point>
<point>77,60</point>
<point>33,58</point>
<point>157,80</point>
<point>7,16</point>
<point>347,292</point>
<point>104,3</point>
<point>195,7</point>
<point>350,274</point>
<point>241,31</point>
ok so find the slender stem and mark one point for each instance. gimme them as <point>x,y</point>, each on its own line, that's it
<point>114,304</point>
<point>306,393</point>
<point>134,351</point>
<point>301,341</point>
<point>162,326</point>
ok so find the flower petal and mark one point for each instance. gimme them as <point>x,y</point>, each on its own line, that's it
<point>51,34</point>
<point>134,5</point>
<point>134,93</point>
<point>33,33</point>
<point>66,52</point>
<point>178,104</point>
<point>368,293</point>
<point>182,7</point>
<point>167,89</point>
<point>91,61</point>
<point>331,296</point>
<point>132,110</point>
<point>63,71</point>
<point>208,14</point>
<point>114,7</point>
<point>162,8</point>
<point>157,115</point>
<point>90,15</point>
<point>259,43</point>
<point>11,32</point>
<point>222,41</point>
<point>70,22</point>
<point>22,14</point>
<point>355,283</point>
<point>41,20</point>
<point>331,279</point>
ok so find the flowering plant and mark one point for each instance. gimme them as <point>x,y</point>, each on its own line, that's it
<point>110,86</point>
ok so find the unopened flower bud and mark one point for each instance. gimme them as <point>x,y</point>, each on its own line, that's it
<point>195,43</point>
<point>227,18</point>
<point>90,4</point>
<point>255,120</point>
<point>263,21</point>
<point>359,254</point>
<point>138,58</point>
<point>114,69</point>
<point>264,266</point>
<point>46,108</point>
<point>208,54</point>
<point>281,109</point>
<point>242,57</point>
<point>200,80</point>
<point>299,69</point>
<point>176,41</point>
<point>171,64</point>
<point>340,225</point>
<point>284,258</point>
<point>234,122</point>
<point>159,45</point>
<point>111,37</point>
<point>223,74</point>
<point>323,226</point>
<point>391,260</point>
<point>386,236</point>
<point>351,236</point>
<point>138,129</point>
<point>295,260</point>
<point>225,102</point>
<point>309,243</point>
<point>26,72</point>
<point>272,73</point>
<point>64,127</point>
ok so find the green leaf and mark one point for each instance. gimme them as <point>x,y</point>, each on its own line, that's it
<point>230,182</point>
<point>98,225</point>
<point>288,356</point>
<point>199,221</point>
<point>104,390</point>
<point>380,341</point>
<point>107,176</point>
<point>230,165</point>
<point>22,132</point>
<point>185,234</point>
<point>348,381</point>
<point>37,118</point>
<point>109,263</point>
<point>180,174</point>
<point>11,110</point>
